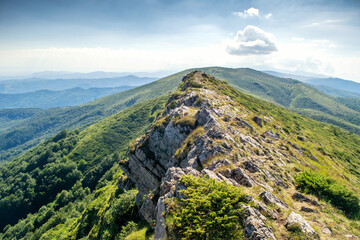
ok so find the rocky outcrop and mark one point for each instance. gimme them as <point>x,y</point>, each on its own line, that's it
<point>297,219</point>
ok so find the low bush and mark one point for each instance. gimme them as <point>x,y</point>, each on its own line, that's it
<point>210,210</point>
<point>328,189</point>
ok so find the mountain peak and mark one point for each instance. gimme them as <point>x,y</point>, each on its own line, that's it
<point>198,79</point>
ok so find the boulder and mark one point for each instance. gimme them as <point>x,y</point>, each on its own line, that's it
<point>147,210</point>
<point>258,121</point>
<point>306,209</point>
<point>302,198</point>
<point>295,218</point>
<point>268,198</point>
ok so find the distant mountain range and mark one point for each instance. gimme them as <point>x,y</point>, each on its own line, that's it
<point>334,86</point>
<point>35,84</point>
<point>61,98</point>
<point>78,75</point>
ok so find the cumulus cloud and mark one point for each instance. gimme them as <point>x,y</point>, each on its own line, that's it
<point>251,41</point>
<point>252,12</point>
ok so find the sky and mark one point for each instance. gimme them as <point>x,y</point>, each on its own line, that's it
<point>320,37</point>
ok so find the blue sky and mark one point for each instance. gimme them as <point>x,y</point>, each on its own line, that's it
<point>154,35</point>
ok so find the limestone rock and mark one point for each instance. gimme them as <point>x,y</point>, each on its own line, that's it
<point>326,231</point>
<point>266,211</point>
<point>218,164</point>
<point>147,209</point>
<point>295,218</point>
<point>160,228</point>
<point>251,166</point>
<point>243,123</point>
<point>242,178</point>
<point>268,198</point>
<point>254,224</point>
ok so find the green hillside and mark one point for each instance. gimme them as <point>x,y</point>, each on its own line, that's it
<point>72,163</point>
<point>288,93</point>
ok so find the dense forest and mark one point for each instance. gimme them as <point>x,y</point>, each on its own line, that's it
<point>60,175</point>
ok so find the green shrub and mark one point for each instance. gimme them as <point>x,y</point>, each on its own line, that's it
<point>124,207</point>
<point>328,189</point>
<point>211,210</point>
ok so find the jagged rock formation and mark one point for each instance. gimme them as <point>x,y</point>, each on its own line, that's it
<point>204,132</point>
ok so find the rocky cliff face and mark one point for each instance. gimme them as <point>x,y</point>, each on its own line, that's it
<point>205,132</point>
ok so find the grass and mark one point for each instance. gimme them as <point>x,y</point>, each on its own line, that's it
<point>138,235</point>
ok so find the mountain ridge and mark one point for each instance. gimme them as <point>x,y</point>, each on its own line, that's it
<point>209,129</point>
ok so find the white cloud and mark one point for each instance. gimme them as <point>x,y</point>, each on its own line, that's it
<point>251,41</point>
<point>252,12</point>
<point>325,22</point>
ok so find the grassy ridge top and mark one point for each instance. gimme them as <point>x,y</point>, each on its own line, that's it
<point>330,143</point>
